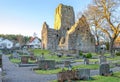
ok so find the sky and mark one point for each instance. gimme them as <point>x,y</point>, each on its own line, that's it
<point>26,17</point>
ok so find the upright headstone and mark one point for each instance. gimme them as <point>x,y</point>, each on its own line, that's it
<point>104,69</point>
<point>102,59</point>
<point>86,61</point>
<point>83,74</point>
<point>24,59</point>
<point>32,57</point>
<point>66,63</point>
<point>46,64</point>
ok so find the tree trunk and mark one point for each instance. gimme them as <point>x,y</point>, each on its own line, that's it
<point>98,45</point>
<point>111,48</point>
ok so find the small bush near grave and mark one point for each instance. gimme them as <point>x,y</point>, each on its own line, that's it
<point>89,55</point>
<point>80,54</point>
<point>117,54</point>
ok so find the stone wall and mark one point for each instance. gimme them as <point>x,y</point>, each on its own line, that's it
<point>68,35</point>
<point>64,18</point>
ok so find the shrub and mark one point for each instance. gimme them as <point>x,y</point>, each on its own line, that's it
<point>80,53</point>
<point>117,54</point>
<point>89,55</point>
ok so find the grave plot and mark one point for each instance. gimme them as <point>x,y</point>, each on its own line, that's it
<point>24,59</point>
<point>46,64</point>
<point>69,75</point>
<point>104,70</point>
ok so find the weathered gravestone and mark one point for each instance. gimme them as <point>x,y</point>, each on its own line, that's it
<point>24,59</point>
<point>104,69</point>
<point>83,74</point>
<point>15,55</point>
<point>66,63</point>
<point>46,64</point>
<point>102,59</point>
<point>67,76</point>
<point>86,61</point>
<point>32,57</point>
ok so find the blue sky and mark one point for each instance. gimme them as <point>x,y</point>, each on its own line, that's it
<point>27,16</point>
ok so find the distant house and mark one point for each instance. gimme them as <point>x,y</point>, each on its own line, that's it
<point>117,42</point>
<point>34,42</point>
<point>5,43</point>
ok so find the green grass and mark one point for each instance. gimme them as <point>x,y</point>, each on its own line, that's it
<point>47,55</point>
<point>90,66</point>
<point>114,78</point>
<point>60,69</point>
<point>15,60</point>
<point>55,71</point>
<point>38,52</point>
<point>114,59</point>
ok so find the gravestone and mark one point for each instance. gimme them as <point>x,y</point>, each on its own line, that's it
<point>15,55</point>
<point>66,63</point>
<point>83,74</point>
<point>102,59</point>
<point>32,57</point>
<point>67,76</point>
<point>46,64</point>
<point>104,69</point>
<point>24,59</point>
<point>86,61</point>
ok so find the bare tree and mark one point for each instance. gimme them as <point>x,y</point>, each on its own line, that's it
<point>106,18</point>
<point>94,18</point>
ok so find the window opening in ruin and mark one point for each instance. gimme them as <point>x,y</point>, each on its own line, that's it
<point>78,29</point>
<point>57,35</point>
<point>67,28</point>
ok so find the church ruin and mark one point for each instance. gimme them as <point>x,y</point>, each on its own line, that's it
<point>67,34</point>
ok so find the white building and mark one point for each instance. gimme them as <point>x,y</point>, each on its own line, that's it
<point>5,43</point>
<point>34,43</point>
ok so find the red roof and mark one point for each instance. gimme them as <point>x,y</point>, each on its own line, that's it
<point>31,39</point>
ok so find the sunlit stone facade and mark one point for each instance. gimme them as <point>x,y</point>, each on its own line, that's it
<point>67,34</point>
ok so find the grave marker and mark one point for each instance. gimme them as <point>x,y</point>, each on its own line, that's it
<point>104,69</point>
<point>46,64</point>
<point>24,59</point>
<point>86,61</point>
<point>83,74</point>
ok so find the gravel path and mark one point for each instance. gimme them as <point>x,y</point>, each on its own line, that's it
<point>25,74</point>
<point>22,74</point>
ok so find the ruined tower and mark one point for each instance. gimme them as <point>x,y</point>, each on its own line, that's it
<point>67,35</point>
<point>64,18</point>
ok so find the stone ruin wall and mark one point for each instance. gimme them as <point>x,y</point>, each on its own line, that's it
<point>44,36</point>
<point>64,19</point>
<point>67,34</point>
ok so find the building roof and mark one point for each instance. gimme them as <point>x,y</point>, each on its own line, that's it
<point>33,38</point>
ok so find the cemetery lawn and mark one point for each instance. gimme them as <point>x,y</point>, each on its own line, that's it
<point>89,66</point>
<point>114,78</point>
<point>13,60</point>
<point>47,55</point>
<point>55,71</point>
